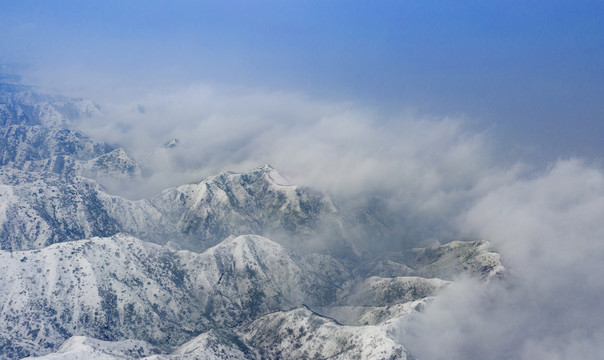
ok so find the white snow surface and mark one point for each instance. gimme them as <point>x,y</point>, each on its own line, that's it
<point>258,201</point>
<point>43,207</point>
<point>295,334</point>
<point>121,287</point>
<point>86,348</point>
<point>302,334</point>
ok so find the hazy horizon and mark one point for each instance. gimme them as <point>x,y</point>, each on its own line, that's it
<point>529,72</point>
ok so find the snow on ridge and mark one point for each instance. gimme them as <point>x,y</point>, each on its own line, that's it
<point>64,206</point>
<point>121,287</point>
<point>301,333</point>
<point>246,240</point>
<point>290,334</point>
<point>275,176</point>
<point>85,348</point>
<point>227,278</point>
<point>239,203</point>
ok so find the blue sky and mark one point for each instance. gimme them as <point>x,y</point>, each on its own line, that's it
<point>530,71</point>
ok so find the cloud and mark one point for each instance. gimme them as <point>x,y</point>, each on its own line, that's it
<point>336,146</point>
<point>427,169</point>
<point>550,233</point>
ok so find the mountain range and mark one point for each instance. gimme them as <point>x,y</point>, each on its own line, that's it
<point>233,266</point>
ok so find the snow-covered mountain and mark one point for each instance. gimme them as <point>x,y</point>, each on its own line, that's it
<point>21,145</point>
<point>439,261</point>
<point>234,266</point>
<point>260,201</point>
<point>302,334</point>
<point>22,105</point>
<point>65,152</point>
<point>42,208</point>
<point>296,334</point>
<point>84,348</point>
<point>196,216</point>
<point>121,288</point>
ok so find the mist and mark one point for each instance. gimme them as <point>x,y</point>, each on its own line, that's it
<point>549,232</point>
<point>423,169</point>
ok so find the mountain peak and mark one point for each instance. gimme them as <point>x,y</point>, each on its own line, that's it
<point>267,167</point>
<point>273,175</point>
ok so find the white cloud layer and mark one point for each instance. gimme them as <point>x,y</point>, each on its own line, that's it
<point>429,168</point>
<point>550,233</point>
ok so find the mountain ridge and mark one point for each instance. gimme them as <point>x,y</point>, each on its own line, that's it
<point>242,265</point>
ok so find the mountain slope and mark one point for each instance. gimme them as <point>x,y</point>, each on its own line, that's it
<point>65,152</point>
<point>21,105</point>
<point>122,288</point>
<point>39,209</point>
<point>42,208</point>
<point>477,258</point>
<point>295,334</point>
<point>21,144</point>
<point>85,348</point>
<point>302,334</point>
<point>260,201</point>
